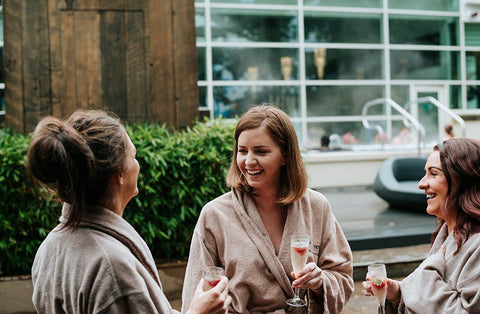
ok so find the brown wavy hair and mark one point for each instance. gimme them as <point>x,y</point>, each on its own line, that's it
<point>75,159</point>
<point>293,175</point>
<point>460,159</point>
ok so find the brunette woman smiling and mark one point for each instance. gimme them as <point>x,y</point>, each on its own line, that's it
<point>247,231</point>
<point>448,281</point>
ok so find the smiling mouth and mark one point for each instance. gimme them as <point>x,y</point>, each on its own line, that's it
<point>253,172</point>
<point>431,196</point>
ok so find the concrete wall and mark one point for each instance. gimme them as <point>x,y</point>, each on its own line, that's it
<point>348,168</point>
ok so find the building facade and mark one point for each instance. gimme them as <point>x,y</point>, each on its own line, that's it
<point>321,61</point>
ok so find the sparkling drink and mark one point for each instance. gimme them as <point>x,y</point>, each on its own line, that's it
<point>299,246</point>
<point>377,275</point>
<point>299,254</point>
<point>211,277</point>
<point>380,291</point>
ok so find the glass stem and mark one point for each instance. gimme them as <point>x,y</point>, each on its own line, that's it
<point>296,293</point>
<point>381,309</point>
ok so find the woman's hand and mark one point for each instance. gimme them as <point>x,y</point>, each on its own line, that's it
<point>310,277</point>
<point>393,289</point>
<point>215,300</point>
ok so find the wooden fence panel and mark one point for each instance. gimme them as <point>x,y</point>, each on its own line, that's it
<point>134,57</point>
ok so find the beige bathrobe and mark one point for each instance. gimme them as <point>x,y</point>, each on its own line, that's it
<point>231,234</point>
<point>444,283</point>
<point>102,267</point>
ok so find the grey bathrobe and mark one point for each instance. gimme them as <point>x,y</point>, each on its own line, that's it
<point>444,283</point>
<point>231,234</point>
<point>102,267</point>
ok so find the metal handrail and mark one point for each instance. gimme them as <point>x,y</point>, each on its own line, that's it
<point>440,106</point>
<point>378,101</point>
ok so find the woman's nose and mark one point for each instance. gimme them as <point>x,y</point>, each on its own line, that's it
<point>250,159</point>
<point>422,184</point>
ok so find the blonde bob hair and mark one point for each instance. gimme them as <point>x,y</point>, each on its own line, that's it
<point>293,176</point>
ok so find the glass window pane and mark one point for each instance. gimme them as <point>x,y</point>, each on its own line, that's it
<point>256,1</point>
<point>346,3</point>
<point>343,135</point>
<point>437,5</point>
<point>473,96</point>
<point>400,94</point>
<point>202,67</point>
<point>337,64</point>
<point>455,97</point>
<point>202,96</point>
<point>254,64</point>
<point>427,30</point>
<point>298,129</point>
<point>231,101</point>
<point>424,65</point>
<point>343,27</point>
<point>254,25</point>
<point>472,34</point>
<point>200,24</point>
<point>473,65</point>
<point>340,100</point>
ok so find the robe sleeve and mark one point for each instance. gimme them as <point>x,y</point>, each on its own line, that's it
<point>335,260</point>
<point>427,288</point>
<point>200,257</point>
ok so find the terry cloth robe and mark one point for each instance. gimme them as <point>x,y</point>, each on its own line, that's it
<point>104,266</point>
<point>230,234</point>
<point>444,283</point>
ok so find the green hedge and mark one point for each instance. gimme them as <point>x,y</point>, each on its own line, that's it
<point>179,172</point>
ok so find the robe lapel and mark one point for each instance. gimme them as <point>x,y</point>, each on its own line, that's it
<point>246,210</point>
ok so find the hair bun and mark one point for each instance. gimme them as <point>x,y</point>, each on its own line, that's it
<point>55,150</point>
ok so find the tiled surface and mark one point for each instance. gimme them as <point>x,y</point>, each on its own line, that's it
<point>364,215</point>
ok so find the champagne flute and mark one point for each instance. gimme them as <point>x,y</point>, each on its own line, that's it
<point>299,252</point>
<point>377,275</point>
<point>211,277</point>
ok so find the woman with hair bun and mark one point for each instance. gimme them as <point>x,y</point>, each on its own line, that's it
<point>94,261</point>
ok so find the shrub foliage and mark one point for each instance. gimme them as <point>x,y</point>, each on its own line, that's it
<point>179,172</point>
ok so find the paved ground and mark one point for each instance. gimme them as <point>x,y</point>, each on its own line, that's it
<point>368,223</point>
<point>376,234</point>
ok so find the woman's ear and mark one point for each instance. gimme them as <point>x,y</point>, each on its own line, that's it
<point>117,179</point>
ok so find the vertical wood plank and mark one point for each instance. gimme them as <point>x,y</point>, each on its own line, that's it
<point>94,62</point>
<point>185,62</point>
<point>56,59</point>
<point>36,63</point>
<point>13,64</point>
<point>82,32</point>
<point>113,59</point>
<point>135,67</point>
<point>68,97</point>
<point>161,76</point>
